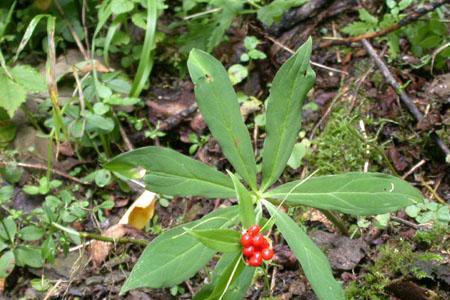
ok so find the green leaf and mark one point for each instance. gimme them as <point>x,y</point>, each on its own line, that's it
<point>31,233</point>
<point>99,123</point>
<point>412,211</point>
<point>227,278</point>
<point>237,290</point>
<point>3,245</point>
<point>298,153</point>
<point>353,193</point>
<point>8,229</point>
<point>237,73</point>
<point>7,263</point>
<point>12,95</point>
<point>146,58</point>
<point>28,33</point>
<point>365,16</point>
<point>244,197</point>
<point>102,178</point>
<point>29,78</point>
<point>314,263</point>
<point>357,28</point>
<point>284,110</point>
<point>8,129</point>
<point>121,6</point>
<point>272,12</point>
<point>29,256</point>
<point>175,256</point>
<point>118,100</point>
<point>6,193</point>
<point>31,189</point>
<point>219,106</point>
<point>172,173</point>
<point>221,240</point>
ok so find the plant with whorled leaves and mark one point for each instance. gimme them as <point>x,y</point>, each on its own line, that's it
<point>180,252</point>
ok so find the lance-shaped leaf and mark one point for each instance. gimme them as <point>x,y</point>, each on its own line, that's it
<point>175,256</point>
<point>222,240</point>
<point>227,278</point>
<point>314,263</point>
<point>172,173</point>
<point>236,290</point>
<point>246,209</point>
<point>354,193</point>
<point>284,111</point>
<point>219,106</point>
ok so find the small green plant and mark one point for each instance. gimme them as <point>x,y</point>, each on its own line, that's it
<point>424,35</point>
<point>429,211</point>
<point>239,72</point>
<point>44,187</point>
<point>179,253</point>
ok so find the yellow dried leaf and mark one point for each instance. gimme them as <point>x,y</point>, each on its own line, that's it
<point>141,211</point>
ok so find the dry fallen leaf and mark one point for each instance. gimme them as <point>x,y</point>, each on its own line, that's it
<point>136,217</point>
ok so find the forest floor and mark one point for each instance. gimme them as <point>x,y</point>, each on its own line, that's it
<point>353,120</point>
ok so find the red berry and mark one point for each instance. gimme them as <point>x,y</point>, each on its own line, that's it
<point>260,242</point>
<point>246,240</point>
<point>253,230</point>
<point>255,260</point>
<point>267,254</point>
<point>248,251</point>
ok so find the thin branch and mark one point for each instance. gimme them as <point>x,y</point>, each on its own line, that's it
<point>45,168</point>
<point>414,168</point>
<point>419,12</point>
<point>72,31</point>
<point>407,101</point>
<point>433,192</point>
<point>289,50</point>
<point>98,237</point>
<point>406,222</point>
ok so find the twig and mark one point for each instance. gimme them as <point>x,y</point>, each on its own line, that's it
<point>364,133</point>
<point>289,50</point>
<point>53,289</point>
<point>327,112</point>
<point>203,13</point>
<point>83,21</point>
<point>123,134</point>
<point>79,88</point>
<point>272,281</point>
<point>415,167</point>
<point>72,31</point>
<point>407,101</point>
<point>419,12</point>
<point>433,192</point>
<point>406,222</point>
<point>99,237</point>
<point>45,168</point>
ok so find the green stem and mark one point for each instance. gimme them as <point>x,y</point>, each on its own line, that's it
<point>99,237</point>
<point>336,220</point>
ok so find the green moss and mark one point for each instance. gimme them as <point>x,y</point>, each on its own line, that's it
<point>393,262</point>
<point>339,150</point>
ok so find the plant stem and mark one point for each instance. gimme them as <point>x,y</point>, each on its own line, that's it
<point>336,220</point>
<point>99,237</point>
<point>121,240</point>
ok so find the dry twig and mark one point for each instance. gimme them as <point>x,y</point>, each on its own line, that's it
<point>419,12</point>
<point>407,101</point>
<point>45,168</point>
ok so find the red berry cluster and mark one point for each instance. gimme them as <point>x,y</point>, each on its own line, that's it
<point>256,246</point>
